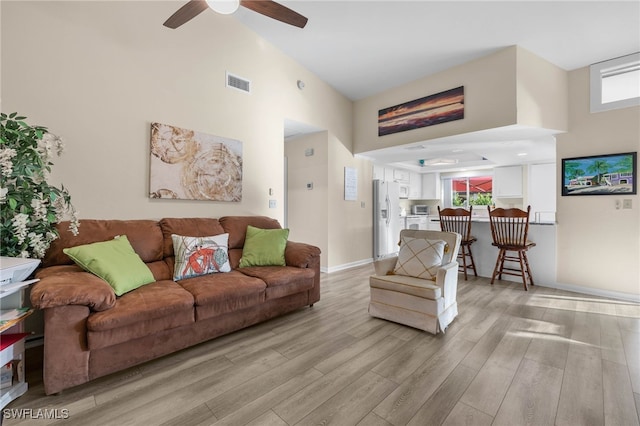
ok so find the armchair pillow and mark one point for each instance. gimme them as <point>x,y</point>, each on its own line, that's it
<point>419,257</point>
<point>264,247</point>
<point>200,255</point>
<point>114,261</point>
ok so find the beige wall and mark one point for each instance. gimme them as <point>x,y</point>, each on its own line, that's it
<point>598,246</point>
<point>322,215</point>
<point>542,92</point>
<point>489,95</point>
<point>353,218</point>
<point>308,210</point>
<point>510,87</point>
<point>98,73</point>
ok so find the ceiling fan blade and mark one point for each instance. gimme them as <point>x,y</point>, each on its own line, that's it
<point>186,13</point>
<point>276,11</point>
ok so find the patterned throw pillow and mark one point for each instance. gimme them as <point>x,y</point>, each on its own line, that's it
<point>420,257</point>
<point>197,256</point>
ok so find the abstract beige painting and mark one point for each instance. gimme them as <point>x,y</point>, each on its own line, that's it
<point>190,165</point>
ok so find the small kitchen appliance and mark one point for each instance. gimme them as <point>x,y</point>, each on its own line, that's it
<point>420,209</point>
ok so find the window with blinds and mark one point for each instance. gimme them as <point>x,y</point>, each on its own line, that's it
<point>615,83</point>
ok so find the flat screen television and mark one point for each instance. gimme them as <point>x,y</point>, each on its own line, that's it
<point>610,174</point>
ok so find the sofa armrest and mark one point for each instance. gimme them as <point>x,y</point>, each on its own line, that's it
<point>66,354</point>
<point>300,255</point>
<point>447,279</point>
<point>66,286</point>
<point>385,265</point>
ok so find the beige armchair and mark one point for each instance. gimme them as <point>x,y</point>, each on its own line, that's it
<point>408,290</point>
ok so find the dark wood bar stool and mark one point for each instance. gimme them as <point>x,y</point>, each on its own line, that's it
<point>459,220</point>
<point>509,229</point>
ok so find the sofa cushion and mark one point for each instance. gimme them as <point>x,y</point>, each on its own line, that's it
<point>71,285</point>
<point>194,227</point>
<point>419,287</point>
<point>419,257</point>
<point>158,306</point>
<point>145,237</point>
<point>236,226</point>
<point>114,261</point>
<point>282,280</point>
<point>195,256</point>
<point>217,294</point>
<point>264,247</point>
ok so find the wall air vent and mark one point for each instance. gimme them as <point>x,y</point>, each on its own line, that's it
<point>238,83</point>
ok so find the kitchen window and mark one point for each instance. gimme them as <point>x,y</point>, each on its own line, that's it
<point>615,83</point>
<point>467,191</point>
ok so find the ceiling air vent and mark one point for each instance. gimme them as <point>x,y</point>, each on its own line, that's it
<point>238,83</point>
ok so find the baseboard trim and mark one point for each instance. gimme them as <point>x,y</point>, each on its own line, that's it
<point>560,286</point>
<point>344,266</point>
<point>34,340</point>
<point>594,291</point>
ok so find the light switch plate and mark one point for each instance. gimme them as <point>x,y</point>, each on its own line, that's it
<point>272,204</point>
<point>626,203</point>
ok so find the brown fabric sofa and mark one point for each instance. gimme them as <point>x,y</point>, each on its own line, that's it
<point>89,332</point>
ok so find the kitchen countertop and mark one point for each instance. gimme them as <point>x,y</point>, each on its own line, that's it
<point>486,220</point>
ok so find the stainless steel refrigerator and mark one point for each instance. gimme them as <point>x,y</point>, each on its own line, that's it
<point>386,215</point>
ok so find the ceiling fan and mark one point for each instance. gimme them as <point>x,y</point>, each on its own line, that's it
<point>265,7</point>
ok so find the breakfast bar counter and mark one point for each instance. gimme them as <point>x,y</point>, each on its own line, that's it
<point>542,257</point>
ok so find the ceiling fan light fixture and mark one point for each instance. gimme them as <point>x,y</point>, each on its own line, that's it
<point>224,7</point>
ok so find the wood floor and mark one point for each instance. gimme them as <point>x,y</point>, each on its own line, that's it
<point>511,357</point>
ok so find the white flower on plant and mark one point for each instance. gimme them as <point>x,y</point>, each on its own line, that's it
<point>52,236</point>
<point>6,165</point>
<point>19,224</point>
<point>39,206</point>
<point>31,207</point>
<point>63,211</point>
<point>48,144</point>
<point>38,244</point>
<point>74,222</point>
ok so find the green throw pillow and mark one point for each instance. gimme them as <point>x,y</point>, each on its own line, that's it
<point>264,247</point>
<point>114,261</point>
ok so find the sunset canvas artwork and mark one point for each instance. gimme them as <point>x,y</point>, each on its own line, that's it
<point>428,111</point>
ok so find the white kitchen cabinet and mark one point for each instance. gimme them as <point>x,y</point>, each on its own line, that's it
<point>433,223</point>
<point>431,186</point>
<point>542,192</point>
<point>385,173</point>
<point>401,175</point>
<point>423,222</point>
<point>415,186</point>
<point>388,174</point>
<point>507,182</point>
<point>378,172</point>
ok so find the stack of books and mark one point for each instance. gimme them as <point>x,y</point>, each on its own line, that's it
<point>9,317</point>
